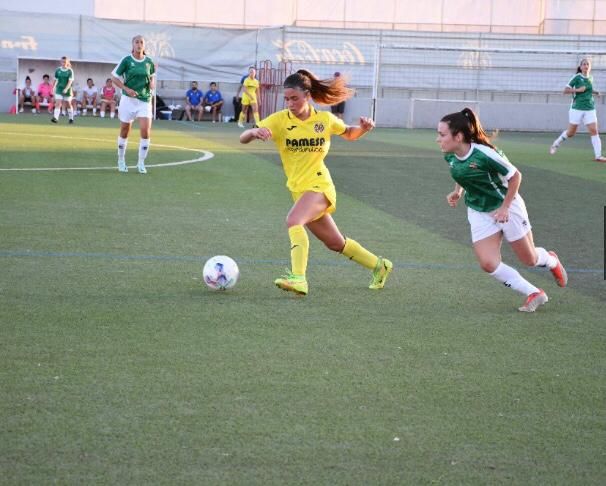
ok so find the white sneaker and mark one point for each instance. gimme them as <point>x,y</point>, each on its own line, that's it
<point>534,301</point>
<point>122,166</point>
<point>241,125</point>
<point>34,111</point>
<point>141,168</point>
<point>553,149</point>
<point>20,110</point>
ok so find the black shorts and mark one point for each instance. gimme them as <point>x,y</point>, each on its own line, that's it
<point>338,109</point>
<point>27,99</point>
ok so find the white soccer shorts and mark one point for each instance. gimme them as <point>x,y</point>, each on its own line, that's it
<point>576,117</point>
<point>484,225</point>
<point>131,108</point>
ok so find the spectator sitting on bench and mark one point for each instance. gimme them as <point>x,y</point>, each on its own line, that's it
<point>213,101</point>
<point>193,100</point>
<point>28,95</point>
<point>89,97</point>
<point>108,99</point>
<point>45,94</point>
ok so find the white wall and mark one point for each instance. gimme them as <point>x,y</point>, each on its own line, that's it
<point>523,16</point>
<point>73,7</point>
<point>530,16</point>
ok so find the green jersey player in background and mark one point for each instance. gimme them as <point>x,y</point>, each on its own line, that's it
<point>135,75</point>
<point>62,88</point>
<point>495,209</point>
<point>582,110</point>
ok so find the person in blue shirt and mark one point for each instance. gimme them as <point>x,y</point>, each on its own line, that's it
<point>213,101</point>
<point>193,101</point>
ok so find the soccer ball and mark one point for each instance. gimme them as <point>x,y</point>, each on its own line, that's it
<point>220,272</point>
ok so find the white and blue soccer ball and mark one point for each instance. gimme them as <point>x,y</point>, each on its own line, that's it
<point>220,272</point>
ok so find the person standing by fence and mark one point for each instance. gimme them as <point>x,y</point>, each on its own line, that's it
<point>250,85</point>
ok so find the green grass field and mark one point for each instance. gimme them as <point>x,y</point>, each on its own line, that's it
<point>118,366</point>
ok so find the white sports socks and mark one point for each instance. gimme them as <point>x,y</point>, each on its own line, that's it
<point>511,278</point>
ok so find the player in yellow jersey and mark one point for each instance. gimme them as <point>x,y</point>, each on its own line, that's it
<point>302,135</point>
<point>250,85</point>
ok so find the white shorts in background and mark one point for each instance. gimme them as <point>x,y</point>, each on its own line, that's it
<point>59,97</point>
<point>576,117</point>
<point>131,108</point>
<point>484,225</point>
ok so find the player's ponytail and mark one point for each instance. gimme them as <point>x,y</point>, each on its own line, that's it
<point>478,135</point>
<point>323,91</point>
<point>467,123</point>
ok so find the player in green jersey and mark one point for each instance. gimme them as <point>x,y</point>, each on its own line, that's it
<point>495,209</point>
<point>302,136</point>
<point>582,110</point>
<point>135,75</point>
<point>62,88</point>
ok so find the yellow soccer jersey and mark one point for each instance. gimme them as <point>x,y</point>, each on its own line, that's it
<point>251,85</point>
<point>303,145</point>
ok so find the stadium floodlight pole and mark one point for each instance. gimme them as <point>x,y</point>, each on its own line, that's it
<point>17,90</point>
<point>375,81</point>
<point>17,98</point>
<point>155,90</point>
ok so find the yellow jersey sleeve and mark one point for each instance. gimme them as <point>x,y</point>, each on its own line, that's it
<point>337,126</point>
<point>275,122</point>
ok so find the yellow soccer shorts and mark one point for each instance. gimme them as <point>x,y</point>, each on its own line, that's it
<point>247,100</point>
<point>330,194</point>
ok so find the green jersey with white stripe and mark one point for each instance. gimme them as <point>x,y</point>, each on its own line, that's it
<point>483,173</point>
<point>63,76</point>
<point>582,101</point>
<point>136,74</point>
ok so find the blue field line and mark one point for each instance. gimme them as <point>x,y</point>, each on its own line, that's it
<point>248,261</point>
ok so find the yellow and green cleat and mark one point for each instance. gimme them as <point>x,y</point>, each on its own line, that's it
<point>292,283</point>
<point>380,273</point>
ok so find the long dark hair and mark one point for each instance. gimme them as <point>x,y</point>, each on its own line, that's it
<point>467,123</point>
<point>579,70</point>
<point>324,91</point>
